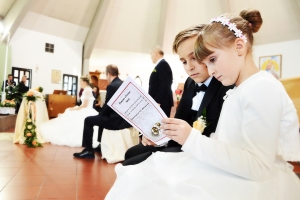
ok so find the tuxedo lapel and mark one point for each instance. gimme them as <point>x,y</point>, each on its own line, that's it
<point>212,89</point>
<point>186,101</point>
<point>188,96</point>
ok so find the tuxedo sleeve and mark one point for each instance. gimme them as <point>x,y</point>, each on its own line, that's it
<point>164,82</point>
<point>109,93</point>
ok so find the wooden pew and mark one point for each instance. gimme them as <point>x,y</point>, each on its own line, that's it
<point>292,87</point>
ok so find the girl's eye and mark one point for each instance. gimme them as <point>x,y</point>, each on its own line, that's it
<point>184,62</point>
<point>193,58</point>
<point>212,60</point>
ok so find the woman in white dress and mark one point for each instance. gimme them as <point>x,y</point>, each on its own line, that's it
<point>257,133</point>
<point>67,128</point>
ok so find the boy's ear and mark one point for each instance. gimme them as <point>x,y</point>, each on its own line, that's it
<point>240,46</point>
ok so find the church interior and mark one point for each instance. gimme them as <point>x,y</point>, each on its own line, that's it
<point>56,42</point>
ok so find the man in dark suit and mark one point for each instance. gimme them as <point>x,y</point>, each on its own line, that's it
<point>107,118</point>
<point>8,82</point>
<point>202,96</point>
<point>22,87</point>
<point>160,81</point>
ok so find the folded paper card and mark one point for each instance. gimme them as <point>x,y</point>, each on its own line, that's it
<point>139,109</point>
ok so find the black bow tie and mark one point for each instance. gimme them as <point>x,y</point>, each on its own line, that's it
<point>198,88</point>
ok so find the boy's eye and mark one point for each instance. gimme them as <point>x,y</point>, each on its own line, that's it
<point>213,59</point>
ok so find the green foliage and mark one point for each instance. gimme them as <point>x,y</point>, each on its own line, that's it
<point>30,133</point>
<point>41,89</point>
<point>12,93</point>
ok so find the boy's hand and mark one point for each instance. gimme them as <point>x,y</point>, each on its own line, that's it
<point>147,142</point>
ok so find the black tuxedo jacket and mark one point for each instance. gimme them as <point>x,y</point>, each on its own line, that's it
<point>212,101</point>
<point>113,121</point>
<point>160,83</point>
<point>22,87</point>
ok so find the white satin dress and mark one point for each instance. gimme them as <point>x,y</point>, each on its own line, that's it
<point>258,131</point>
<point>67,128</point>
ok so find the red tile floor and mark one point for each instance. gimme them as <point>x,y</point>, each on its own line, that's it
<point>51,172</point>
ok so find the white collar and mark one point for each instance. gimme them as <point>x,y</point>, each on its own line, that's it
<point>158,61</point>
<point>207,82</point>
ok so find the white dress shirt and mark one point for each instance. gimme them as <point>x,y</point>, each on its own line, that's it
<point>197,100</point>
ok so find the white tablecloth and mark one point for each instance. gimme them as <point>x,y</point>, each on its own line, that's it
<point>41,117</point>
<point>7,110</point>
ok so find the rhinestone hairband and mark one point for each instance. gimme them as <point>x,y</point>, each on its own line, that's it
<point>231,26</point>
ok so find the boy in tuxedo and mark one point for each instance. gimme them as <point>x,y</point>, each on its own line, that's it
<point>203,95</point>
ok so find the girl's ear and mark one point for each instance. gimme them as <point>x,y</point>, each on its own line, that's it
<point>240,47</point>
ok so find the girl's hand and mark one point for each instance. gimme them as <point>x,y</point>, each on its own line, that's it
<point>176,129</point>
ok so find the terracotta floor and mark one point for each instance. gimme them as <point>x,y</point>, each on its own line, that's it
<point>51,172</point>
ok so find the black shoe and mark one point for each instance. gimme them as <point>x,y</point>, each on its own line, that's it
<point>97,149</point>
<point>84,154</point>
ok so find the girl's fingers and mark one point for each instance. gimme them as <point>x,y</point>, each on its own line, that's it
<point>171,121</point>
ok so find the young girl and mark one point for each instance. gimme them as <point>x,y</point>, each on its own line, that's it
<point>257,132</point>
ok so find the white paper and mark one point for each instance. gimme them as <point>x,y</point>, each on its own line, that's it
<point>139,109</point>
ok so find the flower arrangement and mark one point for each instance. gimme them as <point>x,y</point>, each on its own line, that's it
<point>201,123</point>
<point>12,93</point>
<point>30,134</point>
<point>178,93</point>
<point>39,89</point>
<point>30,128</point>
<point>8,103</point>
<point>33,95</point>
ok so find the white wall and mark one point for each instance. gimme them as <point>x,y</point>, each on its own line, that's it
<point>134,64</point>
<point>28,51</point>
<point>290,52</point>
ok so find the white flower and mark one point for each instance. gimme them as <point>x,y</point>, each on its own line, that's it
<point>232,26</point>
<point>28,120</point>
<point>200,124</point>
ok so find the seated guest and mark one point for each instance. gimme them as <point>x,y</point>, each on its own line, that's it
<point>202,94</point>
<point>97,101</point>
<point>66,129</point>
<point>107,118</point>
<point>22,87</point>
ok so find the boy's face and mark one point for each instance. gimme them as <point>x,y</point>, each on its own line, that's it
<point>198,72</point>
